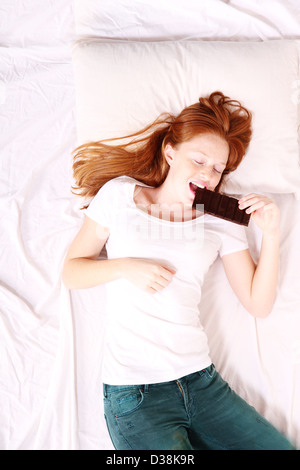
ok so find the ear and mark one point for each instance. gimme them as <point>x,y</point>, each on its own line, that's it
<point>169,154</point>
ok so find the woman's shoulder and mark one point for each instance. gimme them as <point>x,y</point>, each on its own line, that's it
<point>120,181</point>
<point>116,189</point>
<point>112,195</point>
<point>121,186</point>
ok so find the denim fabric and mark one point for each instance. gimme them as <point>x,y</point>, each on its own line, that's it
<point>195,412</point>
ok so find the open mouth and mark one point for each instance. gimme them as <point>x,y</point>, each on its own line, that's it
<point>194,186</point>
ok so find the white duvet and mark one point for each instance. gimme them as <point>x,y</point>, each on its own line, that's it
<point>51,339</point>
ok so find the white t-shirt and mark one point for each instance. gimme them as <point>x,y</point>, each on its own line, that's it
<point>157,337</point>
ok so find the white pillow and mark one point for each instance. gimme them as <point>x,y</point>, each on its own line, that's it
<point>123,86</point>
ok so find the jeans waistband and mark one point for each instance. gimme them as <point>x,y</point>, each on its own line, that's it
<point>107,388</point>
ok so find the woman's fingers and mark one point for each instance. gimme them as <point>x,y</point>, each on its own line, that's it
<point>264,211</point>
<point>253,202</point>
<point>149,275</point>
<point>162,279</point>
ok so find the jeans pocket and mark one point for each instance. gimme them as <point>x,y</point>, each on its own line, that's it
<point>125,402</point>
<point>210,371</point>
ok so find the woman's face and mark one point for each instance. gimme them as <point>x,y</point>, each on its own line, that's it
<point>197,162</point>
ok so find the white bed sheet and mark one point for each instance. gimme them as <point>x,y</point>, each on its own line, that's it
<point>51,339</point>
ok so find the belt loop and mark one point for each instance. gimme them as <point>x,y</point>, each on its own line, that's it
<point>146,388</point>
<point>104,391</point>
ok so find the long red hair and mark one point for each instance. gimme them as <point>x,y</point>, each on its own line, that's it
<point>141,155</point>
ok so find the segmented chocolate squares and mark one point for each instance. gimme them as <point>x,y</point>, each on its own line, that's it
<point>222,206</point>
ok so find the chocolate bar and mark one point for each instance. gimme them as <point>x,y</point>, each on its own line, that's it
<point>222,206</point>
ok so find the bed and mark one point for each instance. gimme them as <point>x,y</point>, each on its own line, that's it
<point>51,338</point>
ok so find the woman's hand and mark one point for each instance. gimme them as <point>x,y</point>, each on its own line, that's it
<point>147,274</point>
<point>264,212</point>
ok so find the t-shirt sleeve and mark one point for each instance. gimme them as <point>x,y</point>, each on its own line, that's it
<point>233,239</point>
<point>100,208</point>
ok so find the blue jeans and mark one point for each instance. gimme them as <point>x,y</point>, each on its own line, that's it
<point>195,412</point>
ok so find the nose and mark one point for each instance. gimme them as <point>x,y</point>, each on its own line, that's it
<point>205,176</point>
<point>208,177</point>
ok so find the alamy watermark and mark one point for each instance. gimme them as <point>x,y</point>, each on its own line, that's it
<point>158,223</point>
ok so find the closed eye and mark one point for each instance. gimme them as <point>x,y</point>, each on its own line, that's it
<point>217,170</point>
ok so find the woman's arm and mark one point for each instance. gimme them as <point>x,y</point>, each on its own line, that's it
<point>255,286</point>
<point>82,269</point>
